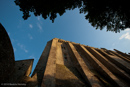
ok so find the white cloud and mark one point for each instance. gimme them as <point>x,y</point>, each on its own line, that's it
<point>39,24</point>
<point>21,23</point>
<point>30,36</point>
<point>32,57</point>
<point>30,25</point>
<point>127,29</point>
<point>14,49</point>
<point>12,40</point>
<point>22,47</point>
<point>113,44</point>
<point>40,27</point>
<point>9,33</point>
<point>38,18</point>
<point>125,36</point>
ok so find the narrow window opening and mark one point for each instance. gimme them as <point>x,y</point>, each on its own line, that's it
<point>19,68</point>
<point>62,47</point>
<point>65,56</point>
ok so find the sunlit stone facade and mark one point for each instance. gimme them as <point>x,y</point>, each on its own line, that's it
<point>68,64</point>
<point>64,64</point>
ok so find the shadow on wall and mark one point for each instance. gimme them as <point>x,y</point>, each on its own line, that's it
<point>61,82</point>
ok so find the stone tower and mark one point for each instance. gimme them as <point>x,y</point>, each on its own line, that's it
<point>68,64</point>
<point>64,64</point>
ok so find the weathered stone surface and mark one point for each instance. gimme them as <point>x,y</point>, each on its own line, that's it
<point>60,54</point>
<point>123,54</point>
<point>105,60</point>
<point>41,65</point>
<point>22,69</point>
<point>70,64</point>
<point>117,61</point>
<point>65,64</point>
<point>11,72</point>
<point>83,69</point>
<point>101,68</point>
<point>7,61</point>
<point>49,75</point>
<point>118,55</point>
<point>66,78</point>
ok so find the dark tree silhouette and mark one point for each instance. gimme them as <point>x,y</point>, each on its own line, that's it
<point>112,14</point>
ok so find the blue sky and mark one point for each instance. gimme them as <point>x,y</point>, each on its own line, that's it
<point>29,37</point>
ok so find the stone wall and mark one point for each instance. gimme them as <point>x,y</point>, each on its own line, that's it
<point>13,73</point>
<point>7,61</point>
<point>73,64</point>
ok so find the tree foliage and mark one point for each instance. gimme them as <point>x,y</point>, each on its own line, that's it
<point>112,14</point>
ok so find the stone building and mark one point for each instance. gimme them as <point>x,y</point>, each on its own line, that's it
<point>65,64</point>
<point>13,73</point>
<point>68,64</point>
